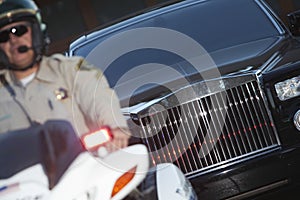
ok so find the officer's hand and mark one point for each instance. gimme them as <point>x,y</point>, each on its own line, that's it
<point>120,139</point>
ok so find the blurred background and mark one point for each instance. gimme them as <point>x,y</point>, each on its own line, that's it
<point>68,19</point>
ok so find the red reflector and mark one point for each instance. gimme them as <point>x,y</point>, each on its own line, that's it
<point>94,140</point>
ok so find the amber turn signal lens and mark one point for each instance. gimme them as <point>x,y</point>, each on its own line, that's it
<point>123,181</point>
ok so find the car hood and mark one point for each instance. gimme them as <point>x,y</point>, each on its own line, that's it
<point>153,80</point>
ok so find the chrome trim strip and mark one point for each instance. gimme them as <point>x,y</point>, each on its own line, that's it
<point>270,63</point>
<point>233,161</point>
<point>269,12</point>
<point>259,78</point>
<point>190,93</point>
<point>259,190</point>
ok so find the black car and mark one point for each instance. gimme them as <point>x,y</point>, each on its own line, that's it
<point>212,86</point>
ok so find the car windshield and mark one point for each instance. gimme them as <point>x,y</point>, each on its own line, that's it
<point>215,25</point>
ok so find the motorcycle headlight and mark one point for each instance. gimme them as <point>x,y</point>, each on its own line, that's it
<point>288,89</point>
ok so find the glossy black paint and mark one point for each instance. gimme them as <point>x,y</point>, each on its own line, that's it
<point>275,57</point>
<point>251,179</point>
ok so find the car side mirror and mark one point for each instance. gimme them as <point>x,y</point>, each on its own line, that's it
<point>294,22</point>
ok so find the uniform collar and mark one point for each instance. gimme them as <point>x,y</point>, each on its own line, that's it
<point>9,77</point>
<point>45,72</point>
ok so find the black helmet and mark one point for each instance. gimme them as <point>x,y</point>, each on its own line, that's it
<point>25,10</point>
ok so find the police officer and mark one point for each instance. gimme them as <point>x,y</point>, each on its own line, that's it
<point>36,88</point>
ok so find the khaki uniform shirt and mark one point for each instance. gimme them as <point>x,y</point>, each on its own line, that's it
<point>63,88</point>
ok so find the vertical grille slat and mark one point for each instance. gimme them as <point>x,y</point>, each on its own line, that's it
<point>198,114</point>
<point>184,138</point>
<point>246,113</point>
<point>162,138</point>
<point>255,119</point>
<point>232,122</point>
<point>252,131</point>
<point>178,142</point>
<point>174,152</point>
<point>209,133</point>
<point>239,122</point>
<point>229,127</point>
<point>187,129</point>
<point>228,144</point>
<point>211,129</point>
<point>192,115</point>
<point>263,115</point>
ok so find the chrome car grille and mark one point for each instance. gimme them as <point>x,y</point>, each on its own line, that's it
<point>208,124</point>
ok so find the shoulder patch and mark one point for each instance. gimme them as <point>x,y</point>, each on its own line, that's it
<point>58,56</point>
<point>83,65</point>
<point>75,61</point>
<point>78,63</point>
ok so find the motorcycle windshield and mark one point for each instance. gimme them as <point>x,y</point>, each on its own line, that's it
<point>54,144</point>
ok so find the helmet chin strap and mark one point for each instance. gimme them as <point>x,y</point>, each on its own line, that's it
<point>36,59</point>
<point>15,68</point>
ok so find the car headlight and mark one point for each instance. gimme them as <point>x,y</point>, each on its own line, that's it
<point>288,89</point>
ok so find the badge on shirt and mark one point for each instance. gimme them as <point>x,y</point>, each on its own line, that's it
<point>61,94</point>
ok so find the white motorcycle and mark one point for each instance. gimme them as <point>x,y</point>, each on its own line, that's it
<point>50,162</point>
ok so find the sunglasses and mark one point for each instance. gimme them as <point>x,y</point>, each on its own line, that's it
<point>17,30</point>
